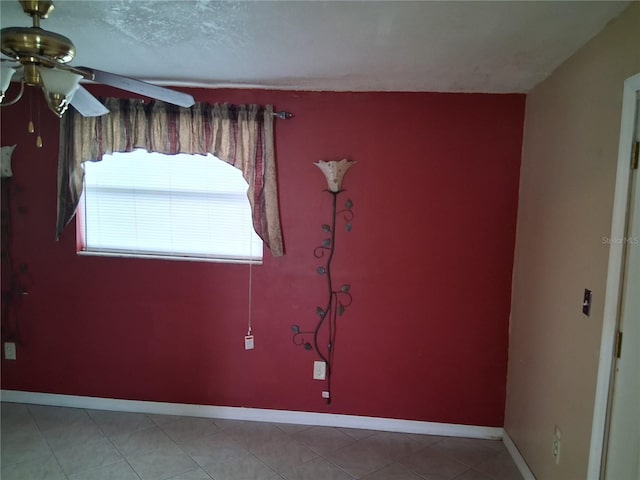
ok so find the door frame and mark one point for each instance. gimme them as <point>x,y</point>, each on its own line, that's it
<point>615,271</point>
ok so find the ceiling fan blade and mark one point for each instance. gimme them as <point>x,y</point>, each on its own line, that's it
<point>142,88</point>
<point>87,104</point>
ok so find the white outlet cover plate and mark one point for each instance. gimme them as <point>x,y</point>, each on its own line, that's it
<point>319,370</point>
<point>9,350</point>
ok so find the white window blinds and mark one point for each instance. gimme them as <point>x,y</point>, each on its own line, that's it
<point>184,206</point>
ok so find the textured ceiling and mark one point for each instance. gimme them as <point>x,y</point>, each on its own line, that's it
<point>401,46</point>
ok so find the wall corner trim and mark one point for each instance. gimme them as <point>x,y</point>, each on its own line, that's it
<point>255,414</point>
<point>517,457</point>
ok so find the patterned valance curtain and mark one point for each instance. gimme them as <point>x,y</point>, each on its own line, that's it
<point>241,135</point>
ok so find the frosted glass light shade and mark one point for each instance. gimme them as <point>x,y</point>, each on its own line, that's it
<point>334,171</point>
<point>61,82</point>
<point>59,87</point>
<point>6,73</point>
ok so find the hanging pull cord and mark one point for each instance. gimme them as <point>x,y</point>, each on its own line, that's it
<point>250,293</point>
<point>248,339</point>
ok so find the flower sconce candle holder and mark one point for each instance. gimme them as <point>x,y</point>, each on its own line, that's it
<point>337,299</point>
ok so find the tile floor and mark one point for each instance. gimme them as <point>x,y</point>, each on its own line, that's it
<point>56,443</point>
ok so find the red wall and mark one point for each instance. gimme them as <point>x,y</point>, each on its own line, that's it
<point>429,262</point>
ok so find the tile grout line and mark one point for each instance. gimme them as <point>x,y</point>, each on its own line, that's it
<point>200,467</point>
<point>38,432</point>
<point>323,457</point>
<point>113,444</point>
<point>53,454</point>
<point>276,471</point>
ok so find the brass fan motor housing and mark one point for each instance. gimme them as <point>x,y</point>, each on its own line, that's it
<point>22,43</point>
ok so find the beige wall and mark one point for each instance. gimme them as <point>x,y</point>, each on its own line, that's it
<point>566,198</point>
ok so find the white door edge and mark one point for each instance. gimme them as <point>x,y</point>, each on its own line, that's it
<point>614,279</point>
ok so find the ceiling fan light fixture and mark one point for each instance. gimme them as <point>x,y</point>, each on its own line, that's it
<point>59,87</point>
<point>42,59</point>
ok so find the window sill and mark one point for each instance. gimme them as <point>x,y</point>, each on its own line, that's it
<point>98,253</point>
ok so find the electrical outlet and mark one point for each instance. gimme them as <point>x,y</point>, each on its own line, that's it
<point>557,435</point>
<point>9,350</point>
<point>319,370</point>
<point>325,394</point>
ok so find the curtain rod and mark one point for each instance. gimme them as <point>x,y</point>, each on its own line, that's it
<point>283,115</point>
<point>280,115</point>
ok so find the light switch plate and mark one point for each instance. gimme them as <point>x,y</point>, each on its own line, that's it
<point>586,302</point>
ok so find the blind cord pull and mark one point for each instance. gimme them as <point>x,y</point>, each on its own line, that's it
<point>248,339</point>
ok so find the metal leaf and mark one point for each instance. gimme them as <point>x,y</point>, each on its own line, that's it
<point>348,226</point>
<point>307,346</point>
<point>345,288</point>
<point>340,309</point>
<point>295,328</point>
<point>321,270</point>
<point>348,204</point>
<point>326,242</point>
<point>326,228</point>
<point>320,312</point>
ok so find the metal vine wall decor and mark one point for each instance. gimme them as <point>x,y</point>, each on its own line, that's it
<point>338,299</point>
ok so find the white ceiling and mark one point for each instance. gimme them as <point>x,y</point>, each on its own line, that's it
<point>475,46</point>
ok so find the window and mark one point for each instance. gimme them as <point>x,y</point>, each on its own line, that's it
<point>169,206</point>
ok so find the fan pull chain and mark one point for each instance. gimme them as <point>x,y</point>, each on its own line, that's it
<point>30,127</point>
<point>38,138</point>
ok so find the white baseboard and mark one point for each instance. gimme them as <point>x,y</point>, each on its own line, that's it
<point>517,457</point>
<point>255,414</point>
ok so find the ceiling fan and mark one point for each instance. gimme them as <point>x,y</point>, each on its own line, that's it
<point>41,58</point>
